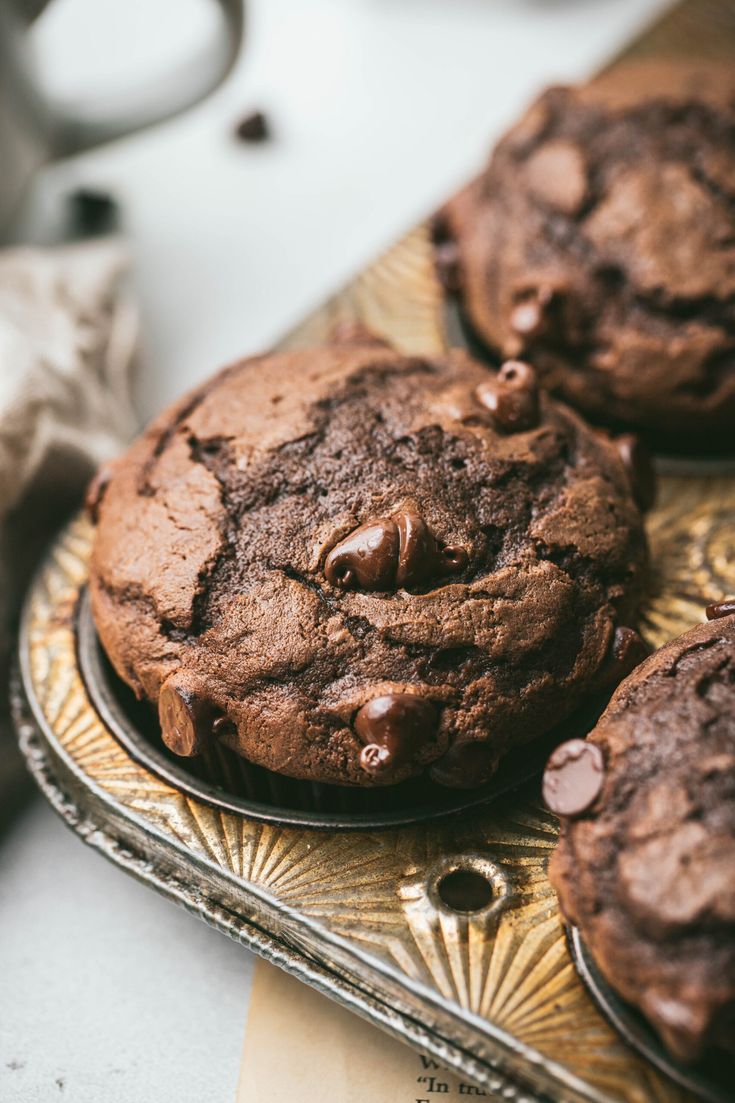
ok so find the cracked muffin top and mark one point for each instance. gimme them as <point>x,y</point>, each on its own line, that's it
<point>600,242</point>
<point>646,860</point>
<point>353,566</point>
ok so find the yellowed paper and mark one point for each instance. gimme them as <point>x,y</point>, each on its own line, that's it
<point>300,1047</point>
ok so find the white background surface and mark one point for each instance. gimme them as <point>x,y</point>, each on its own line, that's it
<point>379,109</point>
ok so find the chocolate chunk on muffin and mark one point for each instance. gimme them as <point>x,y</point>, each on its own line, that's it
<point>600,242</point>
<point>645,864</point>
<point>354,566</point>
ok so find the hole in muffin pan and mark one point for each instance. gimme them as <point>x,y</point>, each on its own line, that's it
<point>461,333</point>
<point>468,885</point>
<point>225,780</point>
<point>464,890</point>
<point>712,1080</point>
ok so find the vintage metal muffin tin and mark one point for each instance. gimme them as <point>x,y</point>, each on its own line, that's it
<point>443,929</point>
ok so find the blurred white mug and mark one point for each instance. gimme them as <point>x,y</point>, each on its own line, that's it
<point>34,129</point>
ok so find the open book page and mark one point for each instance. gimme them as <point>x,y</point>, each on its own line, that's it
<point>299,1045</point>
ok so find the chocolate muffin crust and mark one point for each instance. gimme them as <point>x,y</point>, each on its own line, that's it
<point>352,566</point>
<point>600,242</point>
<point>646,860</point>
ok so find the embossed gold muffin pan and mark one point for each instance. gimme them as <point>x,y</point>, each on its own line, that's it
<point>446,932</point>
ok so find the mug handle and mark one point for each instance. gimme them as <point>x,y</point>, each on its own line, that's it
<point>80,127</point>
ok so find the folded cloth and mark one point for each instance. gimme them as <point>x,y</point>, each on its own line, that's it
<point>68,334</point>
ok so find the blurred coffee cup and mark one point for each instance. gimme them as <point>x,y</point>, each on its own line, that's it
<point>35,128</point>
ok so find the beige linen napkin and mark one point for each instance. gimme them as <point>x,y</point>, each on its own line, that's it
<point>68,334</point>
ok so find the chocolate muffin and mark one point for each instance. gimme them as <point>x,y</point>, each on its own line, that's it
<point>353,566</point>
<point>645,865</point>
<point>600,242</point>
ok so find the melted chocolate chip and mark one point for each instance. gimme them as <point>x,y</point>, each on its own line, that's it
<point>637,461</point>
<point>512,397</point>
<point>465,765</point>
<point>420,556</point>
<point>573,777</point>
<point>447,260</point>
<point>718,609</point>
<point>397,724</point>
<point>185,718</point>
<point>399,551</point>
<point>454,557</point>
<point>96,492</point>
<point>366,558</point>
<point>417,549</point>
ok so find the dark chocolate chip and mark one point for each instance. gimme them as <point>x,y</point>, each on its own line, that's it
<point>517,375</point>
<point>527,318</point>
<point>512,397</point>
<point>721,609</point>
<point>223,727</point>
<point>573,777</point>
<point>439,228</point>
<point>398,724</point>
<point>466,765</point>
<point>253,127</point>
<point>556,175</point>
<point>96,491</point>
<point>448,269</point>
<point>387,554</point>
<point>627,651</point>
<point>375,759</point>
<point>530,316</point>
<point>420,556</point>
<point>454,557</point>
<point>628,648</point>
<point>185,718</point>
<point>637,461</point>
<point>417,549</point>
<point>366,558</point>
<point>92,213</point>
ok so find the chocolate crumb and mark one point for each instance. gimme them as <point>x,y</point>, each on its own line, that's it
<point>253,128</point>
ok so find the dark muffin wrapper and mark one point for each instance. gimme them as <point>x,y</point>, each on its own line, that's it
<point>230,783</point>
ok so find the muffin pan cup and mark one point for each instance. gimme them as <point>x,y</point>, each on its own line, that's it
<point>441,928</point>
<point>224,780</point>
